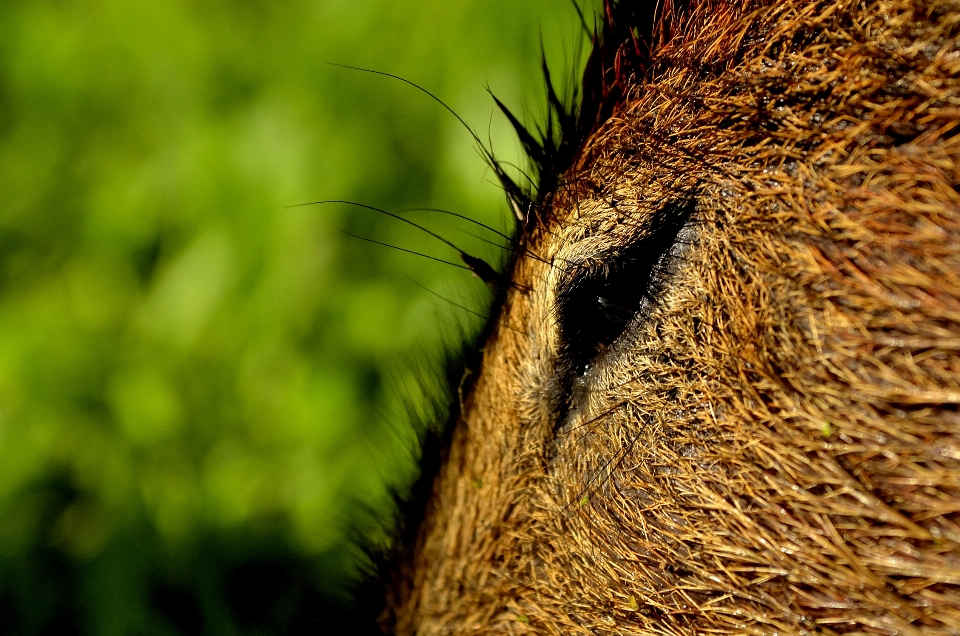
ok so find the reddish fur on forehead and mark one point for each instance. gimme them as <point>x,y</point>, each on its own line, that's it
<point>778,448</point>
<point>631,34</point>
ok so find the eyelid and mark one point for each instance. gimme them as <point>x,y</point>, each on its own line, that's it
<point>658,226</point>
<point>600,296</point>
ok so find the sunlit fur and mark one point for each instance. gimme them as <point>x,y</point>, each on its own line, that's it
<point>774,447</point>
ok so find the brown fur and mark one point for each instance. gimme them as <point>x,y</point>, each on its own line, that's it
<point>777,446</point>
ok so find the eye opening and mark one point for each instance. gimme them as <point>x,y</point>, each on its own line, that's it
<point>601,297</point>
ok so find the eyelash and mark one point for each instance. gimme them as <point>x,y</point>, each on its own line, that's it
<point>598,302</point>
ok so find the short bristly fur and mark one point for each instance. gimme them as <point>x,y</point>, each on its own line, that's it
<point>773,446</point>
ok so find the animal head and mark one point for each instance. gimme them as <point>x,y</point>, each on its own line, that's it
<point>720,393</point>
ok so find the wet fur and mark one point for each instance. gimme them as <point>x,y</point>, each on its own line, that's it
<point>774,445</point>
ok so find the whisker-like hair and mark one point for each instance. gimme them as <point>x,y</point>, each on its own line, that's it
<point>403,249</point>
<point>513,250</point>
<point>455,304</point>
<point>373,208</point>
<point>485,240</point>
<point>445,299</point>
<point>461,216</point>
<point>523,173</point>
<point>475,264</point>
<point>583,21</point>
<point>515,194</point>
<point>419,88</point>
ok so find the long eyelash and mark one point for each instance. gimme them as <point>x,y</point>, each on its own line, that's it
<point>463,217</point>
<point>480,268</point>
<point>520,200</point>
<point>403,249</point>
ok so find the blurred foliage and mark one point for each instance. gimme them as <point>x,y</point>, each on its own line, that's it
<point>204,391</point>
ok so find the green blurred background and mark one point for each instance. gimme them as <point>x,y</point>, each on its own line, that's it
<point>205,393</point>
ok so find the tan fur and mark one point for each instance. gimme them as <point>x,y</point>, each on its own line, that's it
<point>786,458</point>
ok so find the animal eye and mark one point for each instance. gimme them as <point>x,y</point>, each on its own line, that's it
<point>601,298</point>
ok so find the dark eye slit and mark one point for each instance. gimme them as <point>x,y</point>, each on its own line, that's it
<point>600,297</point>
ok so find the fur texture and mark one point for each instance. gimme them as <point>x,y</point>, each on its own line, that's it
<point>773,444</point>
